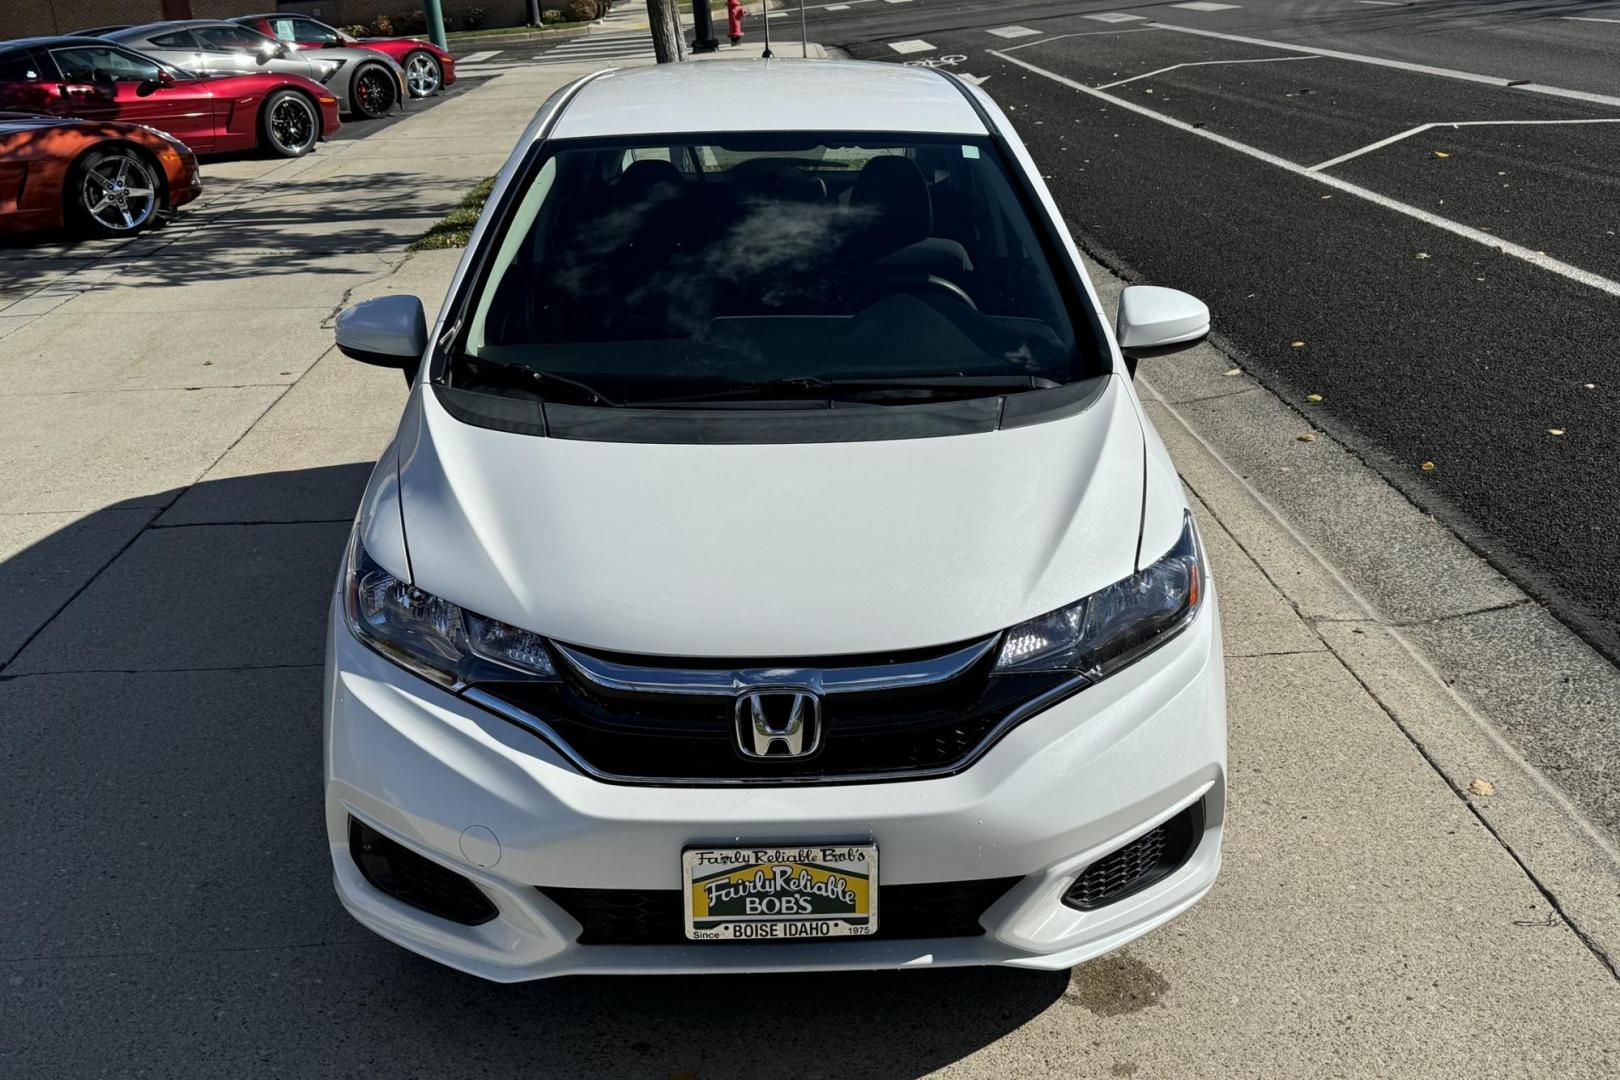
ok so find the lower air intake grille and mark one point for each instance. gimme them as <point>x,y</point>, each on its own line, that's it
<point>948,909</point>
<point>1151,857</point>
<point>412,879</point>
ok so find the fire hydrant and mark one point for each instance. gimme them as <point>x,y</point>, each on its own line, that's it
<point>734,16</point>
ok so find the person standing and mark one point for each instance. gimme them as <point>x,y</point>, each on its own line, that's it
<point>734,15</point>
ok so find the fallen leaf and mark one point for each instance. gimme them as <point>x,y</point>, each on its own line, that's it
<point>1313,398</point>
<point>1441,153</point>
<point>1232,371</point>
<point>1555,431</point>
<point>1481,786</point>
<point>1427,466</point>
<point>1423,254</point>
<point>1307,437</point>
<point>208,363</point>
<point>1299,345</point>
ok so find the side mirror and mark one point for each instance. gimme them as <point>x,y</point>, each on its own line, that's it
<point>1154,321</point>
<point>390,331</point>
<point>151,86</point>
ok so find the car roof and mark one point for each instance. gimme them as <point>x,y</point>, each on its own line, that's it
<point>148,29</point>
<point>45,42</point>
<point>775,95</point>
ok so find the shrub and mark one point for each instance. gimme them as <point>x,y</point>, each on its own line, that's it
<point>474,18</point>
<point>410,22</point>
<point>583,10</point>
<point>552,15</point>
<point>357,30</point>
<point>382,27</point>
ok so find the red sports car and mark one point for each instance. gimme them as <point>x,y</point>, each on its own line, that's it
<point>213,114</point>
<point>102,178</point>
<point>427,67</point>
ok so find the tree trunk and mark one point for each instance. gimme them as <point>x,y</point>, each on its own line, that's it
<point>669,45</point>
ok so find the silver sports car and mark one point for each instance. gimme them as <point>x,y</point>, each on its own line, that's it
<point>366,83</point>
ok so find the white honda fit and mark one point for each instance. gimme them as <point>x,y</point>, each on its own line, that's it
<point>773,568</point>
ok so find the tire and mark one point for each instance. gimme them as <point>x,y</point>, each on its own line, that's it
<point>423,73</point>
<point>372,92</point>
<point>114,191</point>
<point>289,124</point>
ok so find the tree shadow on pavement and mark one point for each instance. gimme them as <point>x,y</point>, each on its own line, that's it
<point>168,885</point>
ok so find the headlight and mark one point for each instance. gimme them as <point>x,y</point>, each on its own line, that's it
<point>1116,625</point>
<point>431,636</point>
<point>325,69</point>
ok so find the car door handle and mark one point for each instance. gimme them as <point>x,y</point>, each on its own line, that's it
<point>77,91</point>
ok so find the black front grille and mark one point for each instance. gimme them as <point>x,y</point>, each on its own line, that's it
<point>949,909</point>
<point>683,737</point>
<point>1151,857</point>
<point>420,882</point>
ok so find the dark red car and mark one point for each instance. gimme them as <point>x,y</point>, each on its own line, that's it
<point>427,67</point>
<point>213,114</point>
<point>102,178</point>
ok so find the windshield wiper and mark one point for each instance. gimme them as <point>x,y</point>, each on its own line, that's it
<point>899,389</point>
<point>544,383</point>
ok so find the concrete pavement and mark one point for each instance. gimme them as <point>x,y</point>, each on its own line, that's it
<point>174,509</point>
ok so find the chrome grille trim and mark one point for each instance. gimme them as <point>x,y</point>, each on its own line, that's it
<point>728,682</point>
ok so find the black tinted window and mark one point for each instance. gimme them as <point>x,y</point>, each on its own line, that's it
<point>18,67</point>
<point>749,259</point>
<point>177,39</point>
<point>235,38</point>
<point>99,63</point>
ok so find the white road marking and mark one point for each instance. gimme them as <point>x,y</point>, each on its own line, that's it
<point>913,46</point>
<point>976,80</point>
<point>1409,132</point>
<point>1537,259</point>
<point>1205,5</point>
<point>1383,3</point>
<point>836,7</point>
<point>1083,33</point>
<point>1115,16</point>
<point>473,58</point>
<point>1013,32</point>
<point>1586,18</point>
<point>1204,63</point>
<point>897,1</point>
<point>1399,65</point>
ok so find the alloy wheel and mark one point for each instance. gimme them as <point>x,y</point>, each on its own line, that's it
<point>292,123</point>
<point>422,73</point>
<point>373,93</point>
<point>120,193</point>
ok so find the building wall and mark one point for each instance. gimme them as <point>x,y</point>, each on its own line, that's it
<point>21,18</point>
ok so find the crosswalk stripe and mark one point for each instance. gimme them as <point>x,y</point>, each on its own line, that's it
<point>473,58</point>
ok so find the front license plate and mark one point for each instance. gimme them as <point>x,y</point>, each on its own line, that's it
<point>780,893</point>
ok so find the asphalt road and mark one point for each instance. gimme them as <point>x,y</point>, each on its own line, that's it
<point>1426,340</point>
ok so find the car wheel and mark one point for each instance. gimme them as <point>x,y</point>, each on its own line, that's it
<point>114,192</point>
<point>423,73</point>
<point>289,124</point>
<point>372,92</point>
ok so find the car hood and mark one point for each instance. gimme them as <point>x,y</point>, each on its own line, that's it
<point>771,550</point>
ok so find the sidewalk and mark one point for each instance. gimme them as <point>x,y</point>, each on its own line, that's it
<point>184,454</point>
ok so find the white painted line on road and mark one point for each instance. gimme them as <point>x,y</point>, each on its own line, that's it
<point>915,45</point>
<point>897,1</point>
<point>1586,18</point>
<point>1399,65</point>
<point>1383,3</point>
<point>473,58</point>
<point>1013,32</point>
<point>1083,33</point>
<point>1205,5</point>
<point>1204,63</point>
<point>1115,16</point>
<point>836,7</point>
<point>1409,132</point>
<point>976,80</point>
<point>1537,259</point>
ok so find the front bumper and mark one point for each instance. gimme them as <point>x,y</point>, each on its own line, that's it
<point>441,776</point>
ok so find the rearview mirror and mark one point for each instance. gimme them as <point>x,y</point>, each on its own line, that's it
<point>1154,321</point>
<point>390,331</point>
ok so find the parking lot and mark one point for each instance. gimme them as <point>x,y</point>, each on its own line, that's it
<point>185,451</point>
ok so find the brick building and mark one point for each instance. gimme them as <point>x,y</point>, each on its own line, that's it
<point>21,18</point>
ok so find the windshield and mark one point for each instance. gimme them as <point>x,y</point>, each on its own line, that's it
<point>696,268</point>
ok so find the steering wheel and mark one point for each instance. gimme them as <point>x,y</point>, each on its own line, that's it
<point>894,286</point>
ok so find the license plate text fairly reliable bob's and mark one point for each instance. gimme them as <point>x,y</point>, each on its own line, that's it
<point>780,893</point>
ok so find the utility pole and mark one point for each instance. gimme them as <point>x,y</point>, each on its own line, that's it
<point>435,21</point>
<point>703,40</point>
